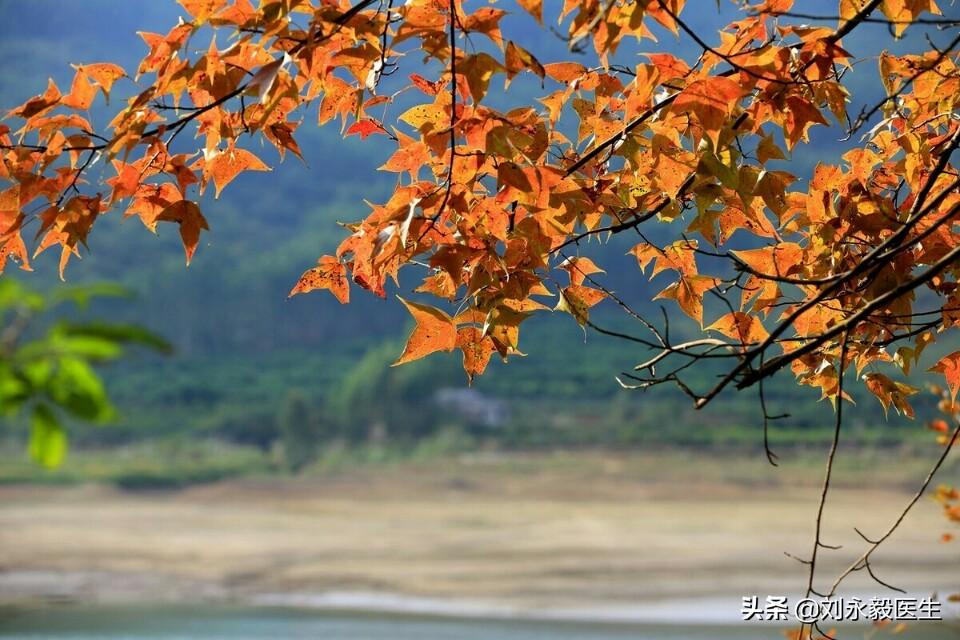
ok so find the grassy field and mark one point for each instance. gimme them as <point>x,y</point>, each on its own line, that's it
<point>146,465</point>
<point>180,463</point>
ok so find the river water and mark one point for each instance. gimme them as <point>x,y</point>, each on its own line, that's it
<point>138,623</point>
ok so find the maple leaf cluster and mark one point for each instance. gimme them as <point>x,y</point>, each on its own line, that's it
<point>494,203</point>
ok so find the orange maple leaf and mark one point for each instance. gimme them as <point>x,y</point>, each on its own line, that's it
<point>329,274</point>
<point>434,331</point>
<point>187,214</point>
<point>949,366</point>
<point>224,166</point>
<point>365,127</point>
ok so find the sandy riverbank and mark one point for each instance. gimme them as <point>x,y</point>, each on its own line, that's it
<point>472,537</point>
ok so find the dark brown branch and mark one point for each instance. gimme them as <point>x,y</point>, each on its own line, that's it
<point>864,560</point>
<point>448,188</point>
<point>850,323</point>
<point>865,115</point>
<point>635,222</point>
<point>945,22</point>
<point>728,58</point>
<point>649,113</point>
<point>855,21</point>
<point>918,211</point>
<point>198,111</point>
<point>828,475</point>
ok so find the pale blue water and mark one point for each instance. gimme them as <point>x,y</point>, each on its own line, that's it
<point>67,623</point>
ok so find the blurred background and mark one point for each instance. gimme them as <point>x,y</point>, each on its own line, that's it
<point>274,458</point>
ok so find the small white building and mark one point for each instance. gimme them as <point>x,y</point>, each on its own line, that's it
<point>472,405</point>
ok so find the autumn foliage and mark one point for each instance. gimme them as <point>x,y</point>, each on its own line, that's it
<point>503,206</point>
<point>494,205</point>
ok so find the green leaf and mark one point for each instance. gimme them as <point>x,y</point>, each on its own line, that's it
<point>13,294</point>
<point>36,373</point>
<point>82,295</point>
<point>54,372</point>
<point>48,441</point>
<point>14,391</point>
<point>119,333</point>
<point>85,347</point>
<point>79,391</point>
